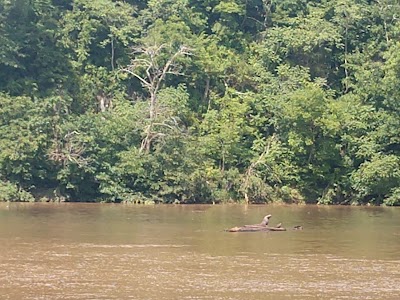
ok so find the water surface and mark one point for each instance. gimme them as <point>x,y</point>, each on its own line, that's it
<point>103,251</point>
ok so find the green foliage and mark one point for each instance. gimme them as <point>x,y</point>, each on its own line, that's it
<point>11,193</point>
<point>22,141</point>
<point>31,61</point>
<point>224,130</point>
<point>393,198</point>
<point>208,101</point>
<point>377,178</point>
<point>103,27</point>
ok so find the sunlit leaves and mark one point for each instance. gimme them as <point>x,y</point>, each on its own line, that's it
<point>93,25</point>
<point>22,141</point>
<point>200,101</point>
<point>376,178</point>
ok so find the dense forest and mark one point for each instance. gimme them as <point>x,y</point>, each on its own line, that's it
<point>188,101</point>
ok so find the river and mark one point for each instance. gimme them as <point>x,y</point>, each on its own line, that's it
<point>106,251</point>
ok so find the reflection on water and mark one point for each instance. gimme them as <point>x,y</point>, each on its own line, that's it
<point>93,251</point>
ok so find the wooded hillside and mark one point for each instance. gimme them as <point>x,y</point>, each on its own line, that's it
<point>200,101</point>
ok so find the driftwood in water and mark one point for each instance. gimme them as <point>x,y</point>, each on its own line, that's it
<point>263,226</point>
<point>255,228</point>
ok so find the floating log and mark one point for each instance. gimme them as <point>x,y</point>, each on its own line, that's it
<point>255,228</point>
<point>263,226</point>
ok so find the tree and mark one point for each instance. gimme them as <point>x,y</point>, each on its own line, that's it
<point>150,67</point>
<point>99,32</point>
<point>32,63</point>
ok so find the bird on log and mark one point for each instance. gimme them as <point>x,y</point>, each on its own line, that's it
<point>263,226</point>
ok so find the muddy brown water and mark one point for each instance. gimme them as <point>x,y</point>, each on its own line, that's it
<point>102,251</point>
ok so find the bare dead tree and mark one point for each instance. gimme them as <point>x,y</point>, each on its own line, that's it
<point>151,70</point>
<point>69,150</point>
